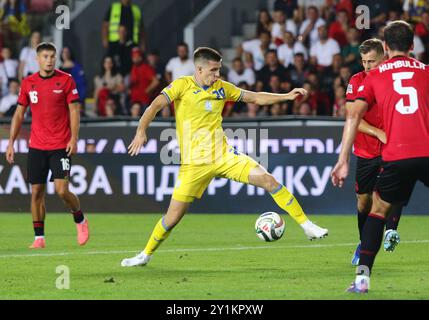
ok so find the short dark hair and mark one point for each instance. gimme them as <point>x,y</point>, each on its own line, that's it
<point>207,53</point>
<point>154,52</point>
<point>10,80</point>
<point>313,8</point>
<point>71,53</point>
<point>264,32</point>
<point>183,44</point>
<point>399,36</point>
<point>271,51</point>
<point>48,46</point>
<point>371,44</point>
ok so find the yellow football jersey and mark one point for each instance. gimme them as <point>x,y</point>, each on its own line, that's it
<point>199,118</point>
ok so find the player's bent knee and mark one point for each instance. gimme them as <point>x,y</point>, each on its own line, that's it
<point>37,194</point>
<point>364,203</point>
<point>363,207</point>
<point>38,197</point>
<point>381,207</point>
<point>61,192</point>
<point>269,182</point>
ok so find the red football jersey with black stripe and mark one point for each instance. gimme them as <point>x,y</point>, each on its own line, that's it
<point>399,86</point>
<point>49,100</point>
<point>365,146</point>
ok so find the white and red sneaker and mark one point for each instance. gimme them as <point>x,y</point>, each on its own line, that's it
<point>39,243</point>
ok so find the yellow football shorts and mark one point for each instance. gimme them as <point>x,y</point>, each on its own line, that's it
<point>193,180</point>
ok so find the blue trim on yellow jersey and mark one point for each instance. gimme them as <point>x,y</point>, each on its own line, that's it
<point>164,225</point>
<point>166,95</point>
<point>205,88</point>
<point>277,189</point>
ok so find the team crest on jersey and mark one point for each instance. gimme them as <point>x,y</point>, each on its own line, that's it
<point>349,88</point>
<point>209,106</point>
<point>361,88</point>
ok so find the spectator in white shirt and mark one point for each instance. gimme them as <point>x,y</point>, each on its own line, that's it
<point>181,65</point>
<point>239,73</point>
<point>287,51</point>
<point>8,69</point>
<point>322,53</point>
<point>281,25</point>
<point>9,102</point>
<point>255,50</point>
<point>27,58</point>
<point>309,27</point>
<point>419,48</point>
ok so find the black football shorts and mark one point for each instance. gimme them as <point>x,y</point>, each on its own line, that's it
<point>39,162</point>
<point>366,174</point>
<point>397,179</point>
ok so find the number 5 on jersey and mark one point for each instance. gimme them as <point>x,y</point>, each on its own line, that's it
<point>409,91</point>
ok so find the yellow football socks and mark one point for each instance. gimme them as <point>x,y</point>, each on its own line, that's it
<point>288,203</point>
<point>159,234</point>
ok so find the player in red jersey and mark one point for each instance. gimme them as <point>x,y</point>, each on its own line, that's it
<point>54,102</point>
<point>399,87</point>
<point>367,148</point>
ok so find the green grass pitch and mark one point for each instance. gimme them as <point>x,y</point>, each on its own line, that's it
<point>206,257</point>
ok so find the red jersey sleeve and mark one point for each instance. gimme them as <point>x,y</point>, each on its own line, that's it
<point>366,91</point>
<point>71,92</point>
<point>23,95</point>
<point>352,88</point>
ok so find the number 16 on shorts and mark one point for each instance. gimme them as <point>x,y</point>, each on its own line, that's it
<point>65,163</point>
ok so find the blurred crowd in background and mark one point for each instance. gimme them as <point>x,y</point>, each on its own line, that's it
<point>312,44</point>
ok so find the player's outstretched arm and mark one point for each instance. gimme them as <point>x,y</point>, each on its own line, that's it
<point>266,98</point>
<point>140,138</point>
<point>353,118</point>
<point>15,127</point>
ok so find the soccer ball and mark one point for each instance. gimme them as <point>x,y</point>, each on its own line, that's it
<point>270,226</point>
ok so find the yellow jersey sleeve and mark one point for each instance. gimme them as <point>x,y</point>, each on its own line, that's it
<point>175,90</point>
<point>232,93</point>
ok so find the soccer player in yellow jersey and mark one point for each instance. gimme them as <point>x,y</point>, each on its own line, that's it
<point>205,154</point>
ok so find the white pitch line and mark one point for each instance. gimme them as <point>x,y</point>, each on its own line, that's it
<point>184,250</point>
